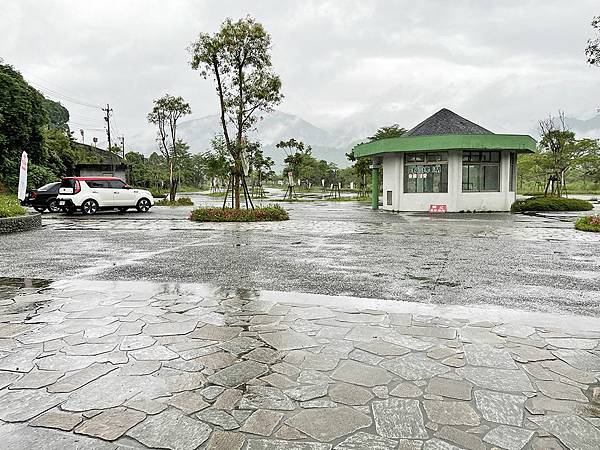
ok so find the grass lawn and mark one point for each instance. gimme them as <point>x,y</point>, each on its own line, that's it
<point>10,206</point>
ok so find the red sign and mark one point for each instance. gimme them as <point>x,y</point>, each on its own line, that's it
<point>438,209</point>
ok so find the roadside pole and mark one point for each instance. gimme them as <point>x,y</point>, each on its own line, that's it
<point>23,177</point>
<point>375,183</point>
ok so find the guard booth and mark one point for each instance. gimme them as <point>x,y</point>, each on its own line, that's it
<point>446,163</point>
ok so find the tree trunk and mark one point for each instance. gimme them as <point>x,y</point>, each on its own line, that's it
<point>172,187</point>
<point>236,188</point>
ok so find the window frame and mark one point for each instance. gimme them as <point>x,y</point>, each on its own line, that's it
<point>426,159</point>
<point>480,159</point>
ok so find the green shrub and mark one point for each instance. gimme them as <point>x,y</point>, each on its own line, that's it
<point>550,204</point>
<point>589,223</point>
<point>181,201</point>
<point>10,207</point>
<point>263,214</point>
<point>158,194</point>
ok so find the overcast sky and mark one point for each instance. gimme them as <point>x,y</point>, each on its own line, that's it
<point>503,64</point>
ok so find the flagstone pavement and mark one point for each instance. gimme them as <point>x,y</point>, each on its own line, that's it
<point>100,365</point>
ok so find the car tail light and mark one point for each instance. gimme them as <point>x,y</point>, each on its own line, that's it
<point>77,187</point>
<point>33,194</point>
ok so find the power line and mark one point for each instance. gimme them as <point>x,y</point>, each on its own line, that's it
<point>56,88</point>
<point>79,117</point>
<point>64,97</point>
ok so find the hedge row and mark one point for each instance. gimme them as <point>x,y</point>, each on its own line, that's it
<point>551,204</point>
<point>181,201</point>
<point>589,223</point>
<point>263,214</point>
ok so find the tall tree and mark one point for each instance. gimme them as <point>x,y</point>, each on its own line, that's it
<point>165,114</point>
<point>22,123</point>
<point>238,58</point>
<point>362,165</point>
<point>562,151</point>
<point>391,131</point>
<point>217,162</point>
<point>58,115</point>
<point>295,154</point>
<point>592,50</point>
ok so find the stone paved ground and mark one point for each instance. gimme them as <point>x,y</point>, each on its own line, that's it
<point>96,365</point>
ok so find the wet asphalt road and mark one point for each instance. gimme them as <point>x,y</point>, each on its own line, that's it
<point>527,262</point>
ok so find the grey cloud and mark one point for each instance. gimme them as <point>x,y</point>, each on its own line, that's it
<point>346,65</point>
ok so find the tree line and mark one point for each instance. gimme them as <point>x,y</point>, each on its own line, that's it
<point>237,59</point>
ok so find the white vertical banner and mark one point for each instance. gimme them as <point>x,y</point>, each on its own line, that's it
<point>23,177</point>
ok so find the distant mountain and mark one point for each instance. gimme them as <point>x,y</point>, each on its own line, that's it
<point>589,128</point>
<point>330,144</point>
<point>275,127</point>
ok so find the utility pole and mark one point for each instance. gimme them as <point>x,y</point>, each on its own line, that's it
<point>107,119</point>
<point>123,145</point>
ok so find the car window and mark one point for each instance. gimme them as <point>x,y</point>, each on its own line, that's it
<point>97,184</point>
<point>49,187</point>
<point>68,183</point>
<point>116,184</point>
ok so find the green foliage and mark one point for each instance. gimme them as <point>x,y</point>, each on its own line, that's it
<point>550,204</point>
<point>238,58</point>
<point>592,50</point>
<point>58,115</point>
<point>22,122</point>
<point>10,207</point>
<point>589,223</point>
<point>156,193</point>
<point>391,131</point>
<point>39,176</point>
<point>165,114</point>
<point>181,201</point>
<point>562,164</point>
<point>362,166</point>
<point>264,214</point>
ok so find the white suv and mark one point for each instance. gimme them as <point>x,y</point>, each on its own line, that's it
<point>89,194</point>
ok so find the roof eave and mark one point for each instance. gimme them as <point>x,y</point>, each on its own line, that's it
<point>448,142</point>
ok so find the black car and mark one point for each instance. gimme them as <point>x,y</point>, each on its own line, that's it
<point>43,198</point>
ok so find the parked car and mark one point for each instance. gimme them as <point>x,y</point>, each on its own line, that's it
<point>44,198</point>
<point>89,194</point>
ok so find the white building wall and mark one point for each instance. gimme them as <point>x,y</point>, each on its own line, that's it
<point>454,199</point>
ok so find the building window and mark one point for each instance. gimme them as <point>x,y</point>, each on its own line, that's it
<point>389,197</point>
<point>513,172</point>
<point>426,172</point>
<point>481,172</point>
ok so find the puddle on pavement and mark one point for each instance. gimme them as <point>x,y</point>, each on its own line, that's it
<point>12,288</point>
<point>430,280</point>
<point>24,282</point>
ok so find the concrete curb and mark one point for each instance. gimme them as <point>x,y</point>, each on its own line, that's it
<point>15,224</point>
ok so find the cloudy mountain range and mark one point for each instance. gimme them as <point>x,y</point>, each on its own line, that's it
<point>330,143</point>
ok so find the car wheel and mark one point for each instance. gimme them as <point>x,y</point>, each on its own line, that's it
<point>53,206</point>
<point>143,205</point>
<point>89,207</point>
<point>40,209</point>
<point>123,209</point>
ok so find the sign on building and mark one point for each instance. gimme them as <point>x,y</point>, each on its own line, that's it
<point>438,209</point>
